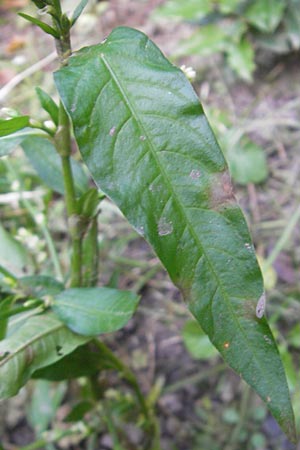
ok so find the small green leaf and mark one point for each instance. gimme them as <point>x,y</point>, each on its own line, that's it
<point>179,10</point>
<point>265,15</point>
<point>144,136</point>
<point>240,58</point>
<point>247,161</point>
<point>197,342</point>
<point>294,336</point>
<point>46,161</point>
<point>13,255</point>
<point>88,203</point>
<point>44,26</point>
<point>228,6</point>
<point>40,285</point>
<point>48,104</point>
<point>45,401</point>
<point>39,342</point>
<point>10,142</point>
<point>78,10</point>
<point>10,126</point>
<point>205,41</point>
<point>92,311</point>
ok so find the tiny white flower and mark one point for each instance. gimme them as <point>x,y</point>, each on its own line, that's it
<point>40,218</point>
<point>15,185</point>
<point>189,72</point>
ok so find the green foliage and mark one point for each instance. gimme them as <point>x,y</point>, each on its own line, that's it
<point>48,104</point>
<point>147,144</point>
<point>39,342</point>
<point>158,140</point>
<point>45,401</point>
<point>45,160</point>
<point>10,126</point>
<point>235,28</point>
<point>13,256</point>
<point>92,311</point>
<point>197,342</point>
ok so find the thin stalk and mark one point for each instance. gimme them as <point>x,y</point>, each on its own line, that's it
<point>73,222</point>
<point>233,440</point>
<point>34,213</point>
<point>20,309</point>
<point>193,379</point>
<point>48,238</point>
<point>52,437</point>
<point>284,238</point>
<point>128,375</point>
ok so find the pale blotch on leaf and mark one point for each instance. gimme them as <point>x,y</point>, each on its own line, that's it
<point>261,306</point>
<point>142,138</point>
<point>267,339</point>
<point>140,230</point>
<point>112,131</point>
<point>164,227</point>
<point>195,174</point>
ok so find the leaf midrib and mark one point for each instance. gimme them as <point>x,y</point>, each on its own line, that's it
<point>90,311</point>
<point>37,337</point>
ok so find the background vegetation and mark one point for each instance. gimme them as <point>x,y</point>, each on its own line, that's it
<point>245,60</point>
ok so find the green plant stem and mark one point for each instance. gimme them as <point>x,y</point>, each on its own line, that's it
<point>20,309</point>
<point>73,222</point>
<point>193,379</point>
<point>282,241</point>
<point>54,436</point>
<point>63,145</point>
<point>233,440</point>
<point>48,238</point>
<point>41,225</point>
<point>127,374</point>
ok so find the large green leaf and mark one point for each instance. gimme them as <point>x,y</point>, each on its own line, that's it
<point>41,341</point>
<point>46,161</point>
<point>91,311</point>
<point>144,137</point>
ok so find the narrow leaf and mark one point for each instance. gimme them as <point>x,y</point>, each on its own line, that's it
<point>78,10</point>
<point>13,255</point>
<point>44,26</point>
<point>48,104</point>
<point>41,341</point>
<point>143,135</point>
<point>91,311</point>
<point>45,160</point>
<point>9,142</point>
<point>10,126</point>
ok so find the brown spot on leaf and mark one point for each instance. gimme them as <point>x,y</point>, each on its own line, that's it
<point>29,355</point>
<point>222,191</point>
